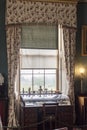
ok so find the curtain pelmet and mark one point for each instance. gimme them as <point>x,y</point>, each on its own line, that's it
<point>21,11</point>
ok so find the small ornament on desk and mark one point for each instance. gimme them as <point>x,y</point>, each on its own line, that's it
<point>1,79</point>
<point>51,91</point>
<point>58,92</point>
<point>40,90</point>
<point>29,91</point>
<point>23,91</point>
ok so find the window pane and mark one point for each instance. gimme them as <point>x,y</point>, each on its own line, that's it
<point>36,71</point>
<point>25,80</point>
<point>50,81</point>
<point>51,71</point>
<point>38,81</point>
<point>26,71</point>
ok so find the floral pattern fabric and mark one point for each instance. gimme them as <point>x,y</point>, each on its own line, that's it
<point>25,11</point>
<point>69,47</point>
<point>13,45</point>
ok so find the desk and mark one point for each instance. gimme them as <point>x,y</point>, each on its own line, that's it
<point>33,114</point>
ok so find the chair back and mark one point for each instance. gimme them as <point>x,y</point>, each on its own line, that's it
<point>50,109</point>
<point>50,114</point>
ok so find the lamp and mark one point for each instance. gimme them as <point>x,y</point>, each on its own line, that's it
<point>82,71</point>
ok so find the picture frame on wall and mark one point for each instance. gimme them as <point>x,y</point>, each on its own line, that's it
<point>84,40</point>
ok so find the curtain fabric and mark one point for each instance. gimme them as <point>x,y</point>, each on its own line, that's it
<point>13,44</point>
<point>63,80</point>
<point>25,11</point>
<point>69,36</point>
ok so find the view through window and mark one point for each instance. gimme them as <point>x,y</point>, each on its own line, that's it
<point>38,68</point>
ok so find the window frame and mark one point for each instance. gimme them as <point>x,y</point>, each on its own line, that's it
<point>44,75</point>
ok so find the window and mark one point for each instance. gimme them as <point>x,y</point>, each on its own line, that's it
<point>38,67</point>
<point>34,78</point>
<point>42,60</point>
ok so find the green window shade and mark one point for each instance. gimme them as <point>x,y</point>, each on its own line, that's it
<point>39,36</point>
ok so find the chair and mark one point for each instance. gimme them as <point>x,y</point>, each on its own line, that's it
<point>50,116</point>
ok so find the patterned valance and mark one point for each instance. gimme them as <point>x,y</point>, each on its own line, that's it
<point>64,1</point>
<point>25,11</point>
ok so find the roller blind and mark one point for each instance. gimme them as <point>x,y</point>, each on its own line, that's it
<point>39,36</point>
<point>38,58</point>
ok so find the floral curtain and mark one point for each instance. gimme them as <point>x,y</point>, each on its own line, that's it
<point>20,12</point>
<point>13,44</point>
<point>69,36</point>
